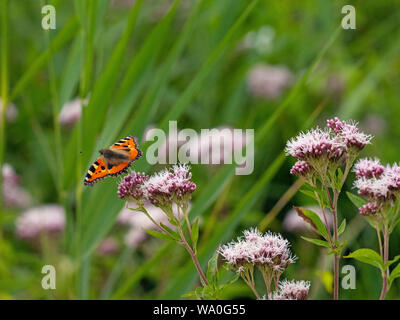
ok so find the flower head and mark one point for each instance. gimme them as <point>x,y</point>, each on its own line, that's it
<point>370,208</point>
<point>268,250</point>
<point>368,168</point>
<point>169,185</point>
<point>130,187</point>
<point>374,188</point>
<point>292,290</point>
<point>392,173</point>
<point>49,219</point>
<point>349,133</point>
<point>301,169</point>
<point>313,144</point>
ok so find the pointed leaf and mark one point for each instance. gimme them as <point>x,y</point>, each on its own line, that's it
<point>356,200</point>
<point>159,234</point>
<point>195,233</point>
<point>342,227</point>
<point>318,242</point>
<point>367,256</point>
<point>395,273</point>
<point>313,219</point>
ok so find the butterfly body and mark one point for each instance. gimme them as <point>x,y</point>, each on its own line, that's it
<point>114,160</point>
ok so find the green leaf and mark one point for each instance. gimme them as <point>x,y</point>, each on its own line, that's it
<point>195,233</point>
<point>338,249</point>
<point>314,220</point>
<point>342,227</point>
<point>232,280</point>
<point>367,256</point>
<point>390,262</point>
<point>212,270</point>
<point>159,235</point>
<point>356,200</point>
<point>308,193</point>
<point>318,242</point>
<point>394,274</point>
<point>171,232</point>
<point>339,178</point>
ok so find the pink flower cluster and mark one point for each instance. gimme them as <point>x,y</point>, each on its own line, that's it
<point>315,144</point>
<point>162,188</point>
<point>368,168</point>
<point>292,290</point>
<point>169,185</point>
<point>300,168</point>
<point>131,186</point>
<point>370,208</point>
<point>379,184</point>
<point>375,181</point>
<point>317,148</point>
<point>269,250</point>
<point>49,219</point>
<point>349,133</point>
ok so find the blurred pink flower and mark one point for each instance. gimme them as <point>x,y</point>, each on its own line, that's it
<point>375,124</point>
<point>268,82</point>
<point>108,247</point>
<point>49,219</point>
<point>11,112</point>
<point>221,139</point>
<point>13,194</point>
<point>71,111</point>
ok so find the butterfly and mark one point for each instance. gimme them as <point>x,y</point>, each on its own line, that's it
<point>114,160</point>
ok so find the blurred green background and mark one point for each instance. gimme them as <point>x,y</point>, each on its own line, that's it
<point>277,67</point>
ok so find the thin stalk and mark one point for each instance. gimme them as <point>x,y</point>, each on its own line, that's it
<point>248,277</point>
<point>385,259</point>
<point>193,256</point>
<point>324,216</point>
<point>333,204</point>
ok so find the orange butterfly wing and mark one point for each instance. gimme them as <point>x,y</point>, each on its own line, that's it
<point>128,143</point>
<point>99,169</point>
